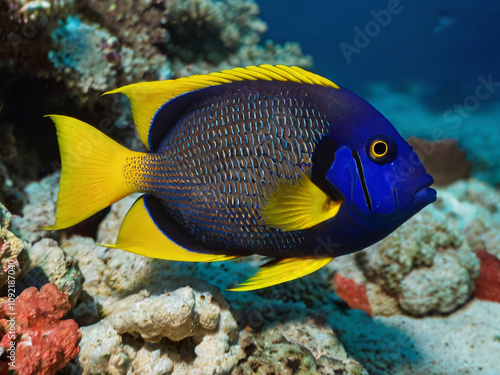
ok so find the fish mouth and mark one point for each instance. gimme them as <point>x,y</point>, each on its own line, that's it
<point>424,194</point>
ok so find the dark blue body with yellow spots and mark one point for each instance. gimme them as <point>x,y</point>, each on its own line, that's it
<point>268,160</point>
<point>222,149</point>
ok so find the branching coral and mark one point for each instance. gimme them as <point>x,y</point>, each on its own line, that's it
<point>44,342</point>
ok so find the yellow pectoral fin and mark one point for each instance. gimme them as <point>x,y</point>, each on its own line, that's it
<point>140,235</point>
<point>282,271</point>
<point>298,205</point>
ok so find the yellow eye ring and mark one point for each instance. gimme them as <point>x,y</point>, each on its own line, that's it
<point>378,149</point>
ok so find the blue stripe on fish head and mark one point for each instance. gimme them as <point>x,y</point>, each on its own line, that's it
<point>374,169</point>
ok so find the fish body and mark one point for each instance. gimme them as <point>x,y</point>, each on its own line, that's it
<point>267,160</point>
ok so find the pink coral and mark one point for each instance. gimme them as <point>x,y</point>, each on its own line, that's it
<point>354,294</point>
<point>488,282</point>
<point>44,342</point>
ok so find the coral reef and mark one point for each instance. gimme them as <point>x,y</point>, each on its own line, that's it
<point>152,316</point>
<point>272,353</point>
<point>295,348</point>
<point>45,262</point>
<point>426,264</point>
<point>44,342</point>
<point>82,50</point>
<point>229,32</point>
<point>94,46</point>
<point>39,209</point>
<point>175,315</point>
<point>143,326</point>
<point>10,248</point>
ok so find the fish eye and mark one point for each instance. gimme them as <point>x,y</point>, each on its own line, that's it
<point>381,149</point>
<point>378,149</point>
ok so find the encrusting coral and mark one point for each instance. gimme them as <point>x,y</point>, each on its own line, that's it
<point>295,348</point>
<point>10,248</point>
<point>44,341</point>
<point>426,264</point>
<point>185,330</point>
<point>46,262</point>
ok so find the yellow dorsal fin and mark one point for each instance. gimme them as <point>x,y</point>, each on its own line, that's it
<point>147,97</point>
<point>140,235</point>
<point>282,271</point>
<point>298,205</point>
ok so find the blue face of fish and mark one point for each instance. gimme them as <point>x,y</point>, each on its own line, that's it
<point>378,174</point>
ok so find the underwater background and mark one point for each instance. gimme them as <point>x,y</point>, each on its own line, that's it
<point>425,300</point>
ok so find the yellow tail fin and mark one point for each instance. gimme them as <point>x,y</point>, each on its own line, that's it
<point>92,174</point>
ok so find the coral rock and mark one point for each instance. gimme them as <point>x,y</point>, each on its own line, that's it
<point>172,315</point>
<point>421,256</point>
<point>47,261</point>
<point>10,247</point>
<point>488,282</point>
<point>273,354</point>
<point>39,211</point>
<point>44,342</point>
<point>147,333</point>
<point>443,160</point>
<point>295,348</point>
<point>354,294</point>
<point>316,335</point>
<point>441,288</point>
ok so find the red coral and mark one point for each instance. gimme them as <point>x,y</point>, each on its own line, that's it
<point>45,343</point>
<point>354,294</point>
<point>488,282</point>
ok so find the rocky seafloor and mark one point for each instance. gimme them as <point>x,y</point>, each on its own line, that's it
<point>418,302</point>
<point>426,300</point>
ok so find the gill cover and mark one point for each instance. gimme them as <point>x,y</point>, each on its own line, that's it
<point>345,176</point>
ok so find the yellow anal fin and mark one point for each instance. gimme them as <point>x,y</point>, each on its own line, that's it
<point>140,235</point>
<point>284,270</point>
<point>146,98</point>
<point>298,205</point>
<point>92,171</point>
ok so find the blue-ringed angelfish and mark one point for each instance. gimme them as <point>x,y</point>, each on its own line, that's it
<point>269,160</point>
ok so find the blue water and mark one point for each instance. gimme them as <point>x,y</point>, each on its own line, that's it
<point>444,45</point>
